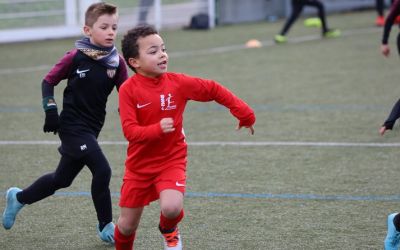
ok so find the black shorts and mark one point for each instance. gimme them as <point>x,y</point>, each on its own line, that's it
<point>77,146</point>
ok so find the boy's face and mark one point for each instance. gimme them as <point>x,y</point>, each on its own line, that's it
<point>153,58</point>
<point>103,31</point>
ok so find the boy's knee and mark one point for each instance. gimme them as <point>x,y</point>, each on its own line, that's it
<point>125,226</point>
<point>60,182</point>
<point>171,210</point>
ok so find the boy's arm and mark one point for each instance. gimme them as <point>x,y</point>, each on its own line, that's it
<point>59,72</point>
<point>394,12</point>
<point>394,115</point>
<point>122,73</point>
<point>131,128</point>
<point>200,89</point>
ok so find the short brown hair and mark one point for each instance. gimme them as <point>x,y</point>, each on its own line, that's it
<point>97,9</point>
<point>129,44</point>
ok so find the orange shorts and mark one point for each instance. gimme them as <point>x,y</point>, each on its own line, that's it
<point>139,193</point>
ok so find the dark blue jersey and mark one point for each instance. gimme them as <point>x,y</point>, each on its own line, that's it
<point>88,87</point>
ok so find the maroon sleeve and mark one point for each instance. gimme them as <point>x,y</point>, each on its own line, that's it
<point>122,75</point>
<point>61,70</point>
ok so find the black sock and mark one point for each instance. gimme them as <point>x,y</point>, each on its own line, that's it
<point>396,222</point>
<point>18,196</point>
<point>102,225</point>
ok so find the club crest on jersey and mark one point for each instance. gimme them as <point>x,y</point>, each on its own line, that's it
<point>166,102</point>
<point>111,72</point>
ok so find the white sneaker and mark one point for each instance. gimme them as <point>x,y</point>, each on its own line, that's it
<point>172,240</point>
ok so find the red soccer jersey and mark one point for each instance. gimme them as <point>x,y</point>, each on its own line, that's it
<point>144,101</point>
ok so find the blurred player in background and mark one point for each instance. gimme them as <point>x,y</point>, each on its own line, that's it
<point>392,240</point>
<point>144,7</point>
<point>152,103</point>
<point>380,6</point>
<point>297,8</point>
<point>385,50</point>
<point>93,69</point>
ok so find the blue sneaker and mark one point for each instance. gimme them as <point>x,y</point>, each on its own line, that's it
<point>107,234</point>
<point>12,207</point>
<point>392,240</point>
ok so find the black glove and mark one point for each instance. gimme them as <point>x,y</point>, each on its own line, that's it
<point>51,123</point>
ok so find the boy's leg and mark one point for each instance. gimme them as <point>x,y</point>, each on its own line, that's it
<point>101,172</point>
<point>171,204</point>
<point>43,187</point>
<point>297,7</point>
<point>379,6</point>
<point>321,13</point>
<point>125,231</point>
<point>101,196</point>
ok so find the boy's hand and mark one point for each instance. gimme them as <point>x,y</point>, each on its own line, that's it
<point>167,125</point>
<point>382,130</point>
<point>51,123</point>
<point>385,49</point>
<point>251,128</point>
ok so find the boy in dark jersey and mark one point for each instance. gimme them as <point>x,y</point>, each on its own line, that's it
<point>297,8</point>
<point>151,105</point>
<point>93,68</point>
<point>392,240</point>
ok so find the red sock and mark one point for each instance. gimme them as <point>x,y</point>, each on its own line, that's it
<point>167,224</point>
<point>123,242</point>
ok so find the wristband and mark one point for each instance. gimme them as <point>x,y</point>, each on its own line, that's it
<point>49,103</point>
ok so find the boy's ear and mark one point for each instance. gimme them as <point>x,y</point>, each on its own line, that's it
<point>87,30</point>
<point>134,62</point>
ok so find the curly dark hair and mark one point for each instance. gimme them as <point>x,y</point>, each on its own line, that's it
<point>129,44</point>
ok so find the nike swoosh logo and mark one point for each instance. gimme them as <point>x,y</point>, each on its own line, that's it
<point>179,184</point>
<point>81,71</point>
<point>142,106</point>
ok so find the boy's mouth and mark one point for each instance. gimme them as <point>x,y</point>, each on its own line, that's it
<point>162,63</point>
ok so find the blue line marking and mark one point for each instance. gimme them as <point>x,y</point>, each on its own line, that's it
<point>395,198</point>
<point>257,107</point>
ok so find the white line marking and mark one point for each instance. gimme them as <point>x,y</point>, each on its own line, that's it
<point>236,143</point>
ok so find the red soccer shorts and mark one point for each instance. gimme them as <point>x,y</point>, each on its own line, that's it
<point>139,193</point>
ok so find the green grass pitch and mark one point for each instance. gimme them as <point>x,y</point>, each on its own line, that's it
<point>239,197</point>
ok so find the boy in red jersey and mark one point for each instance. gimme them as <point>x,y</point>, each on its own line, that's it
<point>152,103</point>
